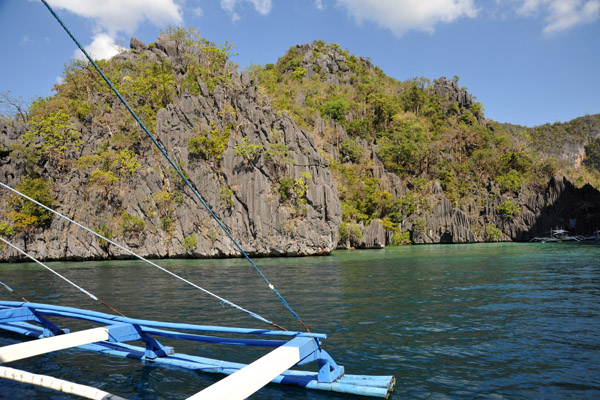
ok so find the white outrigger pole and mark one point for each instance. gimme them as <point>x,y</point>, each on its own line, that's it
<point>37,347</point>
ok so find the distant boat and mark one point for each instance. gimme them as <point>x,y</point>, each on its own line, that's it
<point>558,235</point>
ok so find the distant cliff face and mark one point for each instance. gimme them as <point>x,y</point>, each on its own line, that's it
<point>565,141</point>
<point>260,173</point>
<point>495,203</point>
<point>506,218</point>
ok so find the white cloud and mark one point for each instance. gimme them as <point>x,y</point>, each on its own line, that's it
<point>319,4</point>
<point>112,17</point>
<point>198,12</point>
<point>263,7</point>
<point>400,16</point>
<point>102,48</point>
<point>561,15</point>
<point>530,7</point>
<point>25,40</point>
<point>229,6</point>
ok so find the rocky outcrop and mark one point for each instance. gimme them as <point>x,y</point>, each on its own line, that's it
<point>329,61</point>
<point>444,225</point>
<point>560,205</point>
<point>456,100</point>
<point>449,90</point>
<point>375,236</point>
<point>244,190</point>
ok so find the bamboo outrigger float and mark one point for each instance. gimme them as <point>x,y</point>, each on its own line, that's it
<point>110,334</point>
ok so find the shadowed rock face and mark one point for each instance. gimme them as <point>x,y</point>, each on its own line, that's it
<point>244,191</point>
<point>560,205</point>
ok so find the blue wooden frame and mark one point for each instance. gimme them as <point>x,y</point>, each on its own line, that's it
<point>17,317</point>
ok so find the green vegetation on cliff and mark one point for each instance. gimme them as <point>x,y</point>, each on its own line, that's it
<point>83,101</point>
<point>397,149</point>
<point>24,215</point>
<point>418,129</point>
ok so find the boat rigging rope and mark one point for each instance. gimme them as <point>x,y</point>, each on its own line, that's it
<point>187,182</point>
<point>60,276</point>
<point>13,291</point>
<point>222,300</point>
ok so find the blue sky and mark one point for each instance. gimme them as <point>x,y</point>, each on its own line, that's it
<point>529,62</point>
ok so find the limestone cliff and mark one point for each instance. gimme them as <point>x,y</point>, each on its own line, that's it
<point>152,212</point>
<point>317,152</point>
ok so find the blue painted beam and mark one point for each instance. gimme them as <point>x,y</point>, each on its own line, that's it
<point>24,313</point>
<point>70,312</point>
<point>329,371</point>
<point>16,314</point>
<point>214,339</point>
<point>122,333</point>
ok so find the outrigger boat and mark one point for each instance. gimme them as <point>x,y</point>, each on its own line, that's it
<point>110,337</point>
<point>558,236</point>
<point>111,334</point>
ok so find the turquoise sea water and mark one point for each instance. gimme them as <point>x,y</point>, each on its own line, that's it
<point>502,321</point>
